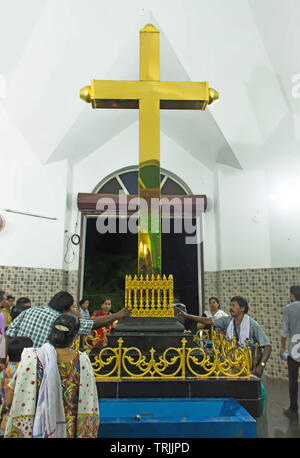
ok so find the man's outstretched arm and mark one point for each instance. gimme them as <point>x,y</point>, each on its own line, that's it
<point>198,319</point>
<point>104,320</point>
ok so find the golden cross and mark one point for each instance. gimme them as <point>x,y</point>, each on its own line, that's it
<point>149,95</point>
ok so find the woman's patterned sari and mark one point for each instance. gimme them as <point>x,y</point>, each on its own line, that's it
<point>79,395</point>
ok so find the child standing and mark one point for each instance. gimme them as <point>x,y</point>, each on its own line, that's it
<point>14,352</point>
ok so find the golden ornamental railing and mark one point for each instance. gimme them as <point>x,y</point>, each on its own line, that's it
<point>223,359</point>
<point>149,296</point>
<point>93,340</point>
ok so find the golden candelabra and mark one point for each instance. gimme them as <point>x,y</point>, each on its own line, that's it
<point>224,360</point>
<point>149,296</point>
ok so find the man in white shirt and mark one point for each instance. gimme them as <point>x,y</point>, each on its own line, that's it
<point>290,329</point>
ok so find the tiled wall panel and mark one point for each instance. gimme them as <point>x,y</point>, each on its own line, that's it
<point>267,291</point>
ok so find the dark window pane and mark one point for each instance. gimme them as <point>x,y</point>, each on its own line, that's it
<point>111,187</point>
<point>170,187</point>
<point>130,180</point>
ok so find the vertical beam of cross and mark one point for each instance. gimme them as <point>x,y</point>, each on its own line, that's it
<point>149,238</point>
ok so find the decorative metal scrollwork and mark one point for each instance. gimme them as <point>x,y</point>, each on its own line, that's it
<point>223,359</point>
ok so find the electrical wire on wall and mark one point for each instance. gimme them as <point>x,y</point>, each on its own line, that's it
<point>73,239</point>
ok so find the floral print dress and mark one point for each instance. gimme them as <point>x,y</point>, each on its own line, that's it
<point>70,379</point>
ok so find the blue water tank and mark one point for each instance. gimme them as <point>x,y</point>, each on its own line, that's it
<point>174,418</point>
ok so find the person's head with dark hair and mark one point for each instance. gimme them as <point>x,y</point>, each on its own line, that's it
<point>10,300</point>
<point>2,297</point>
<point>215,299</point>
<point>24,301</point>
<point>176,297</point>
<point>295,293</point>
<point>15,347</point>
<point>17,309</point>
<point>64,330</point>
<point>106,304</point>
<point>214,304</point>
<point>63,302</point>
<point>238,305</point>
<point>84,304</point>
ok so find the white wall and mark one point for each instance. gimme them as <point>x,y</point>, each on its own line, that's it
<point>243,219</point>
<point>252,219</point>
<point>283,194</point>
<point>258,207</point>
<point>122,151</point>
<point>28,186</point>
<point>51,190</point>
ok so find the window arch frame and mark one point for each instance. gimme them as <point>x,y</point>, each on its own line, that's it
<point>134,168</point>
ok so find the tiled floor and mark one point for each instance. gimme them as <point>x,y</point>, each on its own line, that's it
<point>273,423</point>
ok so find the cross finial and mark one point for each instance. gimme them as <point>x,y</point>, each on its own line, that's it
<point>149,28</point>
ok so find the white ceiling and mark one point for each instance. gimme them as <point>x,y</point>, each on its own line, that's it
<point>247,50</point>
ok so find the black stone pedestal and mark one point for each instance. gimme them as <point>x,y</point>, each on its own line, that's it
<point>146,340</point>
<point>148,333</point>
<point>151,324</point>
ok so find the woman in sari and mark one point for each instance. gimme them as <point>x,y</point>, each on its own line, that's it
<point>100,335</point>
<point>53,392</point>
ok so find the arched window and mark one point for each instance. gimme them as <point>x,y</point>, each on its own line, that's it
<point>105,257</point>
<point>126,180</point>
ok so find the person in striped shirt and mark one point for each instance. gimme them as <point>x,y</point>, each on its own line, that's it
<point>36,322</point>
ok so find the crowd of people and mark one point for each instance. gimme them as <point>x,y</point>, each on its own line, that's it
<point>48,386</point>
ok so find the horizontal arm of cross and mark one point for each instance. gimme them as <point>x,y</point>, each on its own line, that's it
<point>137,90</point>
<point>126,94</point>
